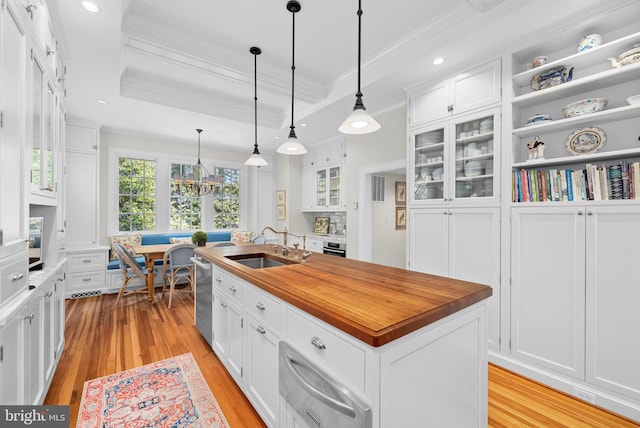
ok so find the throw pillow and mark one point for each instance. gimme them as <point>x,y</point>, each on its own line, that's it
<point>127,241</point>
<point>241,235</point>
<point>181,240</point>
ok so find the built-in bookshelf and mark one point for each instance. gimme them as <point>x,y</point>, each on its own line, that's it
<point>560,175</point>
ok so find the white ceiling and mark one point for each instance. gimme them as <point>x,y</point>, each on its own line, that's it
<point>168,67</point>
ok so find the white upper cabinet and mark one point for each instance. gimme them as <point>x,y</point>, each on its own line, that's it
<point>468,91</point>
<point>13,66</point>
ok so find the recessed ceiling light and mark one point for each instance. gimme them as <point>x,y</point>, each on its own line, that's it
<point>91,6</point>
<point>438,61</point>
<point>102,101</point>
<point>276,138</point>
<point>303,124</point>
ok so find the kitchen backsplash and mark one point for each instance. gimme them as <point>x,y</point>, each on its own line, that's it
<point>337,222</point>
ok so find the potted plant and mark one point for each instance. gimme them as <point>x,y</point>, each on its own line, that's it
<point>199,238</point>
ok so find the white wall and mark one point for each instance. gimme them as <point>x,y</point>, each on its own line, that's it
<point>388,244</point>
<point>389,143</point>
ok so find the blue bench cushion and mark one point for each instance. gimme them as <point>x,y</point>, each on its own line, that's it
<point>163,238</point>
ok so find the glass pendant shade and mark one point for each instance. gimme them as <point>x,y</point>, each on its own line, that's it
<point>292,147</point>
<point>256,159</point>
<point>359,122</point>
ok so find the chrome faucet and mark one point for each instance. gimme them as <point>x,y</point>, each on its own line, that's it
<point>285,235</point>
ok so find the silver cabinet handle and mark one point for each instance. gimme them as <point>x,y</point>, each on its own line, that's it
<point>260,306</point>
<point>30,317</point>
<point>318,343</point>
<point>224,304</point>
<point>589,212</point>
<point>261,329</point>
<point>580,213</point>
<point>86,261</point>
<point>233,289</point>
<point>86,279</point>
<point>218,280</point>
<point>17,276</point>
<point>49,294</point>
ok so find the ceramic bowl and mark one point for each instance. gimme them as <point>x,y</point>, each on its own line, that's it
<point>634,99</point>
<point>589,42</point>
<point>589,105</point>
<point>537,119</point>
<point>538,61</point>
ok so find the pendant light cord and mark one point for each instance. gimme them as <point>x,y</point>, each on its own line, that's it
<point>359,94</point>
<point>199,131</point>
<point>293,10</point>
<point>255,100</point>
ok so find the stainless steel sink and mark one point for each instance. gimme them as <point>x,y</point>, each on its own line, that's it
<point>259,261</point>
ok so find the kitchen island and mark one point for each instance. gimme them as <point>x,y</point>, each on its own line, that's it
<point>411,346</point>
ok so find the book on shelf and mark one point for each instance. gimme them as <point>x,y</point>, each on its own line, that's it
<point>617,181</point>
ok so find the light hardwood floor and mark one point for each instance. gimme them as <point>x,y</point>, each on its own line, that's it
<point>101,339</point>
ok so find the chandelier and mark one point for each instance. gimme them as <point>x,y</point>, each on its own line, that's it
<point>197,179</point>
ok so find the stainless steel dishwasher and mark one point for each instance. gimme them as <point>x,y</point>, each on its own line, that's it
<point>203,298</point>
<point>316,397</point>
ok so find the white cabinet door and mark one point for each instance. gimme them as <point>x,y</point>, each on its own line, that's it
<point>308,189</point>
<point>48,327</point>
<point>12,360</point>
<point>613,293</point>
<point>477,87</point>
<point>227,335</point>
<point>547,287</point>
<point>261,379</point>
<point>429,104</point>
<point>13,62</point>
<point>429,241</point>
<point>81,191</point>
<point>474,255</point>
<point>33,337</point>
<point>81,203</point>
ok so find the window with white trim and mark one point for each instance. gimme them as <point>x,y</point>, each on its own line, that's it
<point>136,194</point>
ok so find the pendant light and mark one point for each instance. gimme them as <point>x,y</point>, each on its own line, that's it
<point>359,121</point>
<point>256,159</point>
<point>198,179</point>
<point>292,146</point>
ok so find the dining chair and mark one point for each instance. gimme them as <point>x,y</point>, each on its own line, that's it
<point>260,239</point>
<point>224,244</point>
<point>130,271</point>
<point>177,267</point>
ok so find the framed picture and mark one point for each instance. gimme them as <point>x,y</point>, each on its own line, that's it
<point>281,197</point>
<point>401,193</point>
<point>321,225</point>
<point>281,212</point>
<point>401,218</point>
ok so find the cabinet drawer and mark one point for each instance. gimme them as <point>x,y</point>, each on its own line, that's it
<point>228,284</point>
<point>79,281</point>
<point>315,245</point>
<point>13,277</point>
<point>333,352</point>
<point>265,308</point>
<point>88,261</point>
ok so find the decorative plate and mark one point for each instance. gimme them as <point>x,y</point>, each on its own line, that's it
<point>586,140</point>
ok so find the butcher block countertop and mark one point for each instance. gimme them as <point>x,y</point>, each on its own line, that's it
<point>374,303</point>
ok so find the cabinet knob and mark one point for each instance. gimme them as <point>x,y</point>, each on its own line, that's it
<point>450,108</point>
<point>589,212</point>
<point>218,280</point>
<point>261,329</point>
<point>17,276</point>
<point>580,213</point>
<point>233,289</point>
<point>224,304</point>
<point>260,306</point>
<point>318,343</point>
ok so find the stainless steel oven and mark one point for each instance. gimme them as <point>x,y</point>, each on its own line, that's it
<point>335,248</point>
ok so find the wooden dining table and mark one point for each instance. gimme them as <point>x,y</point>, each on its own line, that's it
<point>155,252</point>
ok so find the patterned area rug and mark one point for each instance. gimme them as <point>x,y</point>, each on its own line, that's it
<point>168,393</point>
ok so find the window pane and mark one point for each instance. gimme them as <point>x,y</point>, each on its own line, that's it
<point>184,203</point>
<point>226,205</point>
<point>136,196</point>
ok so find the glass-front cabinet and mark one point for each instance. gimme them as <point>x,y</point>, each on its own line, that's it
<point>42,134</point>
<point>328,187</point>
<point>456,160</point>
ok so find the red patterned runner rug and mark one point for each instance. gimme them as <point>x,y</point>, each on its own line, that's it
<point>168,393</point>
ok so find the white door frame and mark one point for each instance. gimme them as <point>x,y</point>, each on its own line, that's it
<point>365,226</point>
